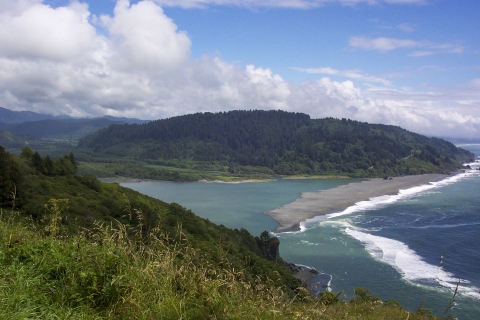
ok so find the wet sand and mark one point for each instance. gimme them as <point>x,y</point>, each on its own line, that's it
<point>313,204</point>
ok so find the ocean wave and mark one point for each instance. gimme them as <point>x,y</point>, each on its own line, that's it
<point>446,226</point>
<point>308,243</point>
<point>409,264</point>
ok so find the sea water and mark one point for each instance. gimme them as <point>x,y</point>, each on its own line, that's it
<point>414,247</point>
<point>235,205</point>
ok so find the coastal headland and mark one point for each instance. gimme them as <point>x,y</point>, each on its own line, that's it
<point>312,204</point>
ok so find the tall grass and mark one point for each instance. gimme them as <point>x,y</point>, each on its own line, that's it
<point>114,272</point>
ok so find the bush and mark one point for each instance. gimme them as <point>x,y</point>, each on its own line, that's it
<point>328,298</point>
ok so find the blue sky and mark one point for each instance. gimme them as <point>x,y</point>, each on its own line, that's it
<point>412,63</point>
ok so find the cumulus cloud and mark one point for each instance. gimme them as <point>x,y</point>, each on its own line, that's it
<point>298,4</point>
<point>383,44</point>
<point>37,31</point>
<point>136,63</point>
<point>143,36</point>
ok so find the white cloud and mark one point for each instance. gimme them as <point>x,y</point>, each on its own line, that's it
<point>41,32</point>
<point>352,74</point>
<point>143,37</point>
<point>476,83</point>
<point>299,4</point>
<point>140,66</point>
<point>383,44</point>
<point>406,27</point>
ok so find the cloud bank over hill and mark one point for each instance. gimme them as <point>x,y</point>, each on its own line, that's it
<point>137,63</point>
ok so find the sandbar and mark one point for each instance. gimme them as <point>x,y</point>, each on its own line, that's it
<point>312,204</point>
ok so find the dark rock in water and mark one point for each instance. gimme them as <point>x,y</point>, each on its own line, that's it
<point>292,267</point>
<point>314,281</point>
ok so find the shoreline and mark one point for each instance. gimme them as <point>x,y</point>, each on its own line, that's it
<point>123,180</point>
<point>237,181</point>
<point>314,204</point>
<point>307,177</point>
<point>138,180</point>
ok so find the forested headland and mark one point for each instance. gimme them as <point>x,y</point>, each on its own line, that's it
<point>74,247</point>
<point>265,143</point>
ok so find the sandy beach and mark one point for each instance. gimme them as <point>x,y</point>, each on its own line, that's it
<point>312,204</point>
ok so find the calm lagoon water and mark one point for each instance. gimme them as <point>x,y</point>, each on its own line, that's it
<point>412,247</point>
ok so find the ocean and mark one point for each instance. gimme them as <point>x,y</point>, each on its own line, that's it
<point>414,247</point>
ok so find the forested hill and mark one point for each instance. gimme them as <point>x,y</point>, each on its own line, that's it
<point>284,143</point>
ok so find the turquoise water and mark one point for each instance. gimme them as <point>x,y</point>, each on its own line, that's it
<point>235,205</point>
<point>412,247</point>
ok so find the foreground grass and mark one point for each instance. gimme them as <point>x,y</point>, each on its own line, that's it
<point>105,274</point>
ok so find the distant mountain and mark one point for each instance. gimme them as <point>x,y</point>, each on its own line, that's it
<point>66,129</point>
<point>21,127</point>
<point>284,143</point>
<point>12,117</point>
<point>125,120</point>
<point>9,116</point>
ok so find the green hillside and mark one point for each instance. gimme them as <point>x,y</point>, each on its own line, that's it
<point>28,184</point>
<point>73,247</point>
<point>272,143</point>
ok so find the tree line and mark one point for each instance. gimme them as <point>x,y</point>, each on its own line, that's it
<point>286,143</point>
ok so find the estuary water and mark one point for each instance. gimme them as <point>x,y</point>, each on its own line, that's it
<point>414,247</point>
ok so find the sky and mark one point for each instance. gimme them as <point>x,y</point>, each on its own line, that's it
<point>410,63</point>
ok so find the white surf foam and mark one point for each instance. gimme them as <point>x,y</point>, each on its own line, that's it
<point>382,201</point>
<point>379,202</point>
<point>409,264</point>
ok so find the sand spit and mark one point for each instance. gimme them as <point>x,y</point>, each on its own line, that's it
<point>313,204</point>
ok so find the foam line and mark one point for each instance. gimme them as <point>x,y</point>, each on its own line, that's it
<point>409,264</point>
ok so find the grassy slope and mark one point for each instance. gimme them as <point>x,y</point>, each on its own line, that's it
<point>106,273</point>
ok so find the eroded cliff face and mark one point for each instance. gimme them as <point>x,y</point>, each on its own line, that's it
<point>272,250</point>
